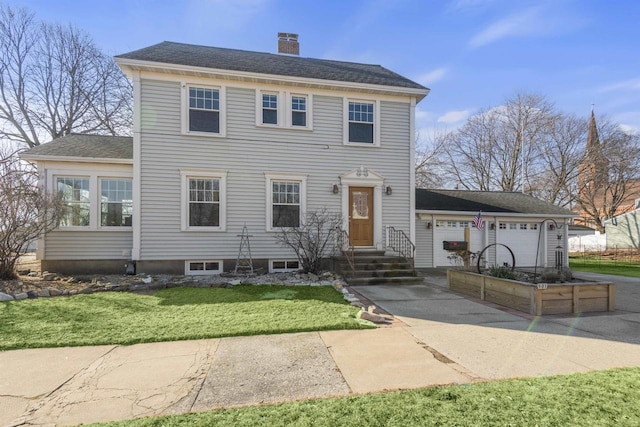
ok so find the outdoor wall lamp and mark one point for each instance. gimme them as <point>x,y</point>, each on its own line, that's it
<point>335,189</point>
<point>552,227</point>
<point>429,225</point>
<point>389,191</point>
<point>492,226</point>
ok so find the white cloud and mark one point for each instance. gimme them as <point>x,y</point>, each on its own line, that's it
<point>631,84</point>
<point>523,23</point>
<point>431,77</point>
<point>628,129</point>
<point>454,116</point>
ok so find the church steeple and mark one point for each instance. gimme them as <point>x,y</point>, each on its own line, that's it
<point>593,142</point>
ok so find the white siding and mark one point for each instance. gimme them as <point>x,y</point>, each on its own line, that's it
<point>424,244</point>
<point>625,234</point>
<point>64,245</point>
<point>247,152</point>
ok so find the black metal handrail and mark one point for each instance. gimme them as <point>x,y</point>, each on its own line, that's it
<point>400,243</point>
<point>345,247</point>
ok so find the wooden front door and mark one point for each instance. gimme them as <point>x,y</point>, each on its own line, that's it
<point>361,216</point>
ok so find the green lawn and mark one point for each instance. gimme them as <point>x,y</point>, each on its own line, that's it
<point>605,266</point>
<point>605,398</point>
<point>173,314</point>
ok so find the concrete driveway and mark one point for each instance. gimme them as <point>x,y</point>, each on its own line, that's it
<point>493,342</point>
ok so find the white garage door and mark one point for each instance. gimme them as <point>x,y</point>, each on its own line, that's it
<point>522,239</point>
<point>454,231</point>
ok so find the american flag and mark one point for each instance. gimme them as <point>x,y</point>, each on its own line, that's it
<point>478,222</point>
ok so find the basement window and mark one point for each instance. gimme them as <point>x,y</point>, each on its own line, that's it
<point>203,267</point>
<point>283,265</point>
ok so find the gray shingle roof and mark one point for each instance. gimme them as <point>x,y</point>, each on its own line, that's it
<point>485,201</point>
<point>82,145</point>
<point>268,63</point>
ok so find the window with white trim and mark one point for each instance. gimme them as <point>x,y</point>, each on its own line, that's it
<point>203,267</point>
<point>76,198</point>
<point>283,265</point>
<point>204,110</point>
<point>203,200</point>
<point>286,200</point>
<point>361,122</point>
<point>298,111</point>
<point>270,108</point>
<point>116,202</point>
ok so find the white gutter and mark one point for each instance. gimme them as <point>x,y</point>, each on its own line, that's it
<point>500,214</point>
<point>39,158</point>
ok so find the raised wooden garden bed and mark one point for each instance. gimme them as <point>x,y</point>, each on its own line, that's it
<point>557,298</point>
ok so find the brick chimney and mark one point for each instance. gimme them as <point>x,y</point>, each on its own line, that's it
<point>288,44</point>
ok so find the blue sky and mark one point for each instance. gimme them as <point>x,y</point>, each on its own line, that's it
<point>471,53</point>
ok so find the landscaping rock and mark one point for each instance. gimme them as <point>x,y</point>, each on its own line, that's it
<point>375,318</point>
<point>43,293</point>
<point>49,277</point>
<point>32,294</point>
<point>54,292</point>
<point>235,282</point>
<point>21,295</point>
<point>148,279</point>
<point>5,297</point>
<point>24,272</point>
<point>88,290</point>
<point>33,274</point>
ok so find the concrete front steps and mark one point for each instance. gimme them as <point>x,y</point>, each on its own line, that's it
<point>377,268</point>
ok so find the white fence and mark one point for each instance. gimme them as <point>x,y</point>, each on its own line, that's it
<point>590,243</point>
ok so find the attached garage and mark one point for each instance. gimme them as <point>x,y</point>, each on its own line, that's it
<point>534,231</point>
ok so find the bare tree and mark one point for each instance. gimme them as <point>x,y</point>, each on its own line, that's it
<point>55,81</point>
<point>609,174</point>
<point>560,152</point>
<point>314,240</point>
<point>498,148</point>
<point>429,159</point>
<point>26,211</point>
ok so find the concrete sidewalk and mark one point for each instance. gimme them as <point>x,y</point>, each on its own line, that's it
<point>440,338</point>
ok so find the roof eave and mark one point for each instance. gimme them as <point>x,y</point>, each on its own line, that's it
<point>75,159</point>
<point>487,214</point>
<point>128,65</point>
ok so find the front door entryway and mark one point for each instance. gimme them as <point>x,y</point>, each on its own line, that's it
<point>361,216</point>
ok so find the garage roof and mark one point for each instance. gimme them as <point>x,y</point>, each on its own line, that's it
<point>485,201</point>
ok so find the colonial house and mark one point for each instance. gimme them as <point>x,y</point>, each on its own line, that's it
<point>224,139</point>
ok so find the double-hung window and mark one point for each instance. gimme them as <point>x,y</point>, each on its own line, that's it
<point>76,198</point>
<point>116,202</point>
<point>269,109</point>
<point>298,111</point>
<point>204,110</point>
<point>286,200</point>
<point>203,200</point>
<point>361,120</point>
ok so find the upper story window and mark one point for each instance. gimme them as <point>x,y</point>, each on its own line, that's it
<point>299,110</point>
<point>116,202</point>
<point>269,109</point>
<point>283,109</point>
<point>361,122</point>
<point>76,198</point>
<point>204,110</point>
